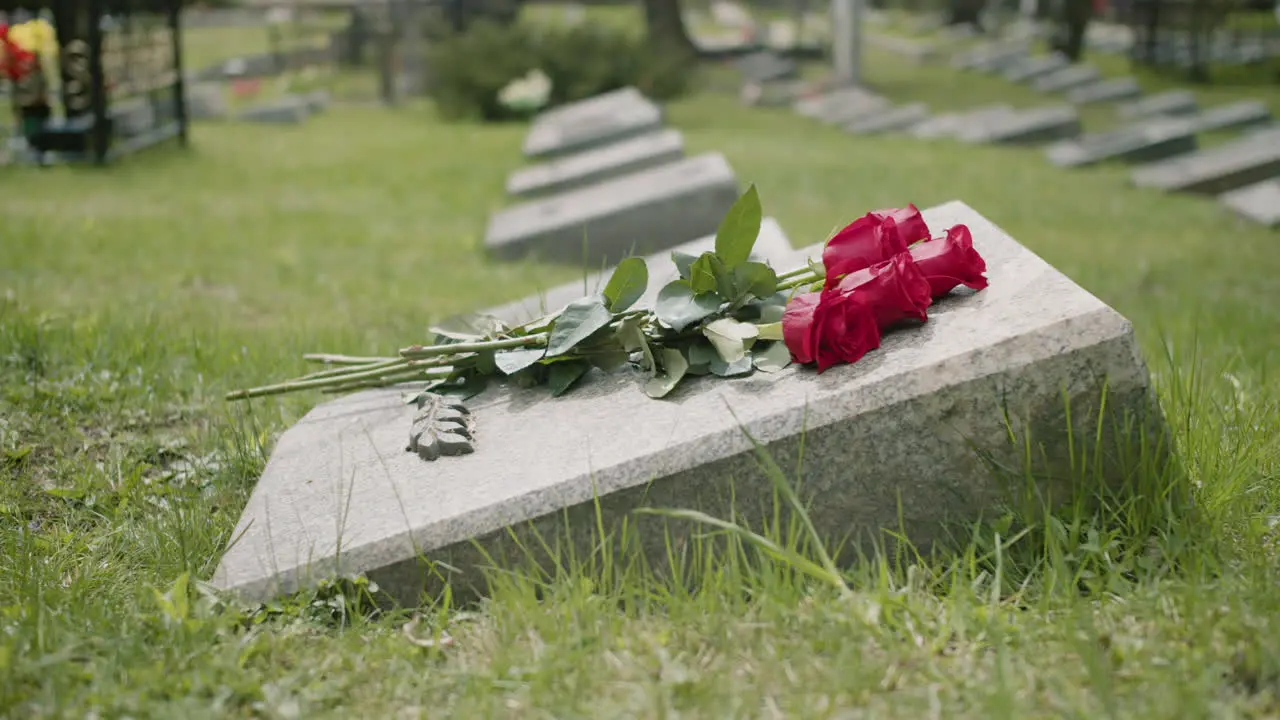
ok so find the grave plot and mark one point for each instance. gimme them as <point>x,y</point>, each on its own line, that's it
<point>824,103</point>
<point>638,213</point>
<point>597,121</point>
<point>1029,126</point>
<point>206,101</point>
<point>1035,67</point>
<point>773,94</point>
<point>992,59</point>
<point>1231,116</point>
<point>1218,169</point>
<point>854,109</point>
<point>286,110</point>
<point>766,67</point>
<point>772,247</point>
<point>1146,141</point>
<point>592,166</point>
<point>897,119</point>
<point>1066,79</point>
<point>909,438</point>
<point>917,51</point>
<point>1121,88</point>
<point>957,123</point>
<point>1171,102</point>
<point>1259,202</point>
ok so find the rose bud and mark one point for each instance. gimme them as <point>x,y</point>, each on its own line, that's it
<point>950,261</point>
<point>894,290</point>
<point>911,225</point>
<point>830,328</point>
<point>872,238</point>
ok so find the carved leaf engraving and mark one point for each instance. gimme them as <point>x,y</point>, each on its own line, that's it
<point>441,427</point>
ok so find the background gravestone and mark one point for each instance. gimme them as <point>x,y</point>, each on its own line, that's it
<point>638,213</point>
<point>592,166</point>
<point>1146,141</point>
<point>591,123</point>
<point>1259,202</point>
<point>1066,78</point>
<point>958,123</point>
<point>1121,88</point>
<point>1217,169</point>
<point>1027,126</point>
<point>909,438</point>
<point>1172,102</point>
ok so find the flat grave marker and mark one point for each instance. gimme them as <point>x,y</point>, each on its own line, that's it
<point>1218,169</point>
<point>639,213</point>
<point>1146,141</point>
<point>286,110</point>
<point>1259,202</point>
<point>766,67</point>
<point>1034,67</point>
<point>772,247</point>
<point>1120,88</point>
<point>823,103</point>
<point>206,101</point>
<point>596,121</point>
<point>1170,102</point>
<point>991,58</point>
<point>1028,126</point>
<point>1231,116</point>
<point>905,439</point>
<point>957,123</point>
<point>899,118</point>
<point>1066,78</point>
<point>592,166</point>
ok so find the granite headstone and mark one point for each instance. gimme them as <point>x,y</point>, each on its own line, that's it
<point>1120,88</point>
<point>1259,202</point>
<point>1144,141</point>
<point>1027,126</point>
<point>1066,79</point>
<point>1170,102</point>
<point>899,118</point>
<point>1218,169</point>
<point>590,123</point>
<point>592,166</point>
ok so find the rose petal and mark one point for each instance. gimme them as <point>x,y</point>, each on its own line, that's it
<point>861,244</point>
<point>894,290</point>
<point>799,327</point>
<point>847,329</point>
<point>910,223</point>
<point>950,261</point>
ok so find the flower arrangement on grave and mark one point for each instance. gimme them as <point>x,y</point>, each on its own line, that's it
<point>725,315</point>
<point>527,94</point>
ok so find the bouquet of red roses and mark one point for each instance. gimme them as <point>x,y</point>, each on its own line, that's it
<point>725,315</point>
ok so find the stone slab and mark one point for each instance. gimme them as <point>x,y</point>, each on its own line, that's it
<point>206,101</point>
<point>1170,102</point>
<point>904,439</point>
<point>1217,169</point>
<point>1147,141</point>
<point>854,109</point>
<point>1259,202</point>
<point>596,165</point>
<point>772,247</point>
<point>317,101</point>
<point>1120,88</point>
<point>1231,116</point>
<point>287,110</point>
<point>639,213</point>
<point>1066,78</point>
<point>591,123</point>
<point>991,58</point>
<point>899,118</point>
<point>1034,67</point>
<point>954,124</point>
<point>917,51</point>
<point>822,103</point>
<point>774,94</point>
<point>764,67</point>
<point>1027,126</point>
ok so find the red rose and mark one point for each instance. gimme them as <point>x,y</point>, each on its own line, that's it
<point>872,238</point>
<point>894,289</point>
<point>950,261</point>
<point>829,327</point>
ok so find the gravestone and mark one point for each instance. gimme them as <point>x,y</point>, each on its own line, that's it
<point>915,50</point>
<point>1217,169</point>
<point>132,117</point>
<point>639,213</point>
<point>592,166</point>
<point>1171,102</point>
<point>286,110</point>
<point>991,58</point>
<point>1259,202</point>
<point>1121,88</point>
<point>954,124</point>
<point>1033,67</point>
<point>907,439</point>
<point>1027,127</point>
<point>765,67</point>
<point>772,247</point>
<point>1231,116</point>
<point>1066,79</point>
<point>822,103</point>
<point>853,108</point>
<point>591,123</point>
<point>317,101</point>
<point>773,94</point>
<point>206,101</point>
<point>899,118</point>
<point>1147,141</point>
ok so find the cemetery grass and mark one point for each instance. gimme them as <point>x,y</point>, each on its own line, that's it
<point>130,301</point>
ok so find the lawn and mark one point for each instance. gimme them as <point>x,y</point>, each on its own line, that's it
<point>132,298</point>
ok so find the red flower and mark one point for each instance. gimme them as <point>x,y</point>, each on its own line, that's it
<point>950,261</point>
<point>894,289</point>
<point>872,238</point>
<point>829,327</point>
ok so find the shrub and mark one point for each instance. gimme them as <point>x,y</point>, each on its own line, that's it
<point>468,70</point>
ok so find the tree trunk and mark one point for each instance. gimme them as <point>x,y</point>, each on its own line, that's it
<point>1074,21</point>
<point>961,12</point>
<point>666,26</point>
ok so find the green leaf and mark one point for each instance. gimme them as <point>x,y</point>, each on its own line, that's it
<point>632,338</point>
<point>577,322</point>
<point>769,331</point>
<point>674,367</point>
<point>563,375</point>
<point>730,337</point>
<point>608,359</point>
<point>755,278</point>
<point>738,231</point>
<point>771,357</point>
<point>627,284</point>
<point>741,366</point>
<point>684,263</point>
<point>700,354</point>
<point>773,308</point>
<point>702,275</point>
<point>679,307</point>
<point>511,362</point>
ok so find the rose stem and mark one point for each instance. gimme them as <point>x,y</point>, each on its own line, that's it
<point>457,348</point>
<point>376,382</point>
<point>795,273</point>
<point>333,372</point>
<point>431,370</point>
<point>327,359</point>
